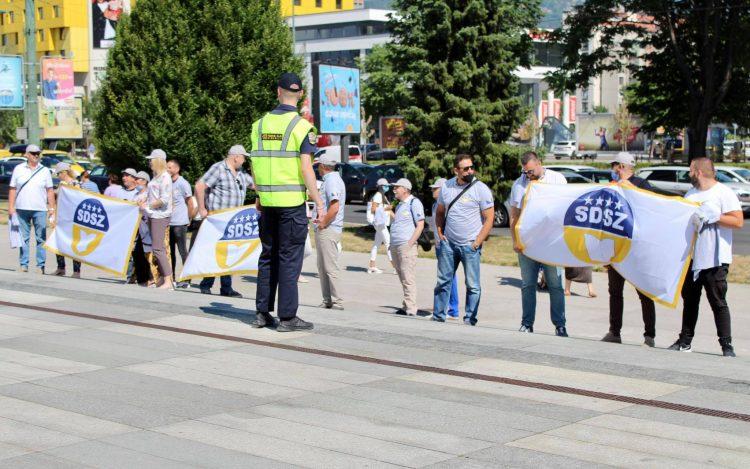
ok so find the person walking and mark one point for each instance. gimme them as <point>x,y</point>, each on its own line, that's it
<point>67,178</point>
<point>378,211</point>
<point>328,232</point>
<point>181,216</point>
<point>720,213</point>
<point>622,172</point>
<point>282,147</point>
<point>452,312</point>
<point>532,170</point>
<point>223,186</point>
<point>464,217</point>
<point>31,199</point>
<point>407,226</point>
<point>158,207</point>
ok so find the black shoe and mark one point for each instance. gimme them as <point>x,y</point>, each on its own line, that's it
<point>561,332</point>
<point>726,347</point>
<point>612,337</point>
<point>206,291</point>
<point>401,312</point>
<point>649,341</point>
<point>294,324</point>
<point>231,294</point>
<point>680,346</point>
<point>528,329</point>
<point>263,320</point>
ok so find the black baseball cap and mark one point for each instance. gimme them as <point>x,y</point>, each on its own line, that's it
<point>290,82</point>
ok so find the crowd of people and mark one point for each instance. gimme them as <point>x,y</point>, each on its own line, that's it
<point>290,199</point>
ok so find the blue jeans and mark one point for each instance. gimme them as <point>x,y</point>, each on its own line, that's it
<point>39,219</point>
<point>449,255</point>
<point>553,277</point>
<point>453,303</point>
<point>225,280</point>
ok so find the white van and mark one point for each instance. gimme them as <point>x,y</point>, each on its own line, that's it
<point>355,153</point>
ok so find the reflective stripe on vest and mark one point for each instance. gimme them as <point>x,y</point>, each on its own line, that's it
<point>278,175</point>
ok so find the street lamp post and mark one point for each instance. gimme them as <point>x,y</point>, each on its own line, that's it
<point>32,80</point>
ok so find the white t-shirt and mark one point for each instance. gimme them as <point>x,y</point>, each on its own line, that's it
<point>519,186</point>
<point>714,244</point>
<point>380,218</point>
<point>33,196</point>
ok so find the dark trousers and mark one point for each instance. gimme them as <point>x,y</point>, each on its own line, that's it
<point>225,281</point>
<point>61,264</point>
<point>282,236</point>
<point>178,238</point>
<point>142,270</point>
<point>616,286</point>
<point>714,281</point>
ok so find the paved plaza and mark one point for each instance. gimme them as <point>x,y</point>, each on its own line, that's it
<point>94,373</point>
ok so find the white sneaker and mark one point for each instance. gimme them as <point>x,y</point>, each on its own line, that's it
<point>374,270</point>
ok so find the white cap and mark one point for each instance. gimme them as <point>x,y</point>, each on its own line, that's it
<point>130,172</point>
<point>143,175</point>
<point>438,183</point>
<point>403,182</point>
<point>237,150</point>
<point>157,154</point>
<point>382,182</point>
<point>327,160</point>
<point>624,158</point>
<point>61,166</point>
<point>33,149</point>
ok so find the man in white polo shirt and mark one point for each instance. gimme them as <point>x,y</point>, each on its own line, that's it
<point>30,197</point>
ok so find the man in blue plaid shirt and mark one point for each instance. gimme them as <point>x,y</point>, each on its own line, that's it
<point>224,185</point>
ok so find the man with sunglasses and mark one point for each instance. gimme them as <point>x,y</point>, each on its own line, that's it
<point>465,213</point>
<point>532,170</point>
<point>223,186</point>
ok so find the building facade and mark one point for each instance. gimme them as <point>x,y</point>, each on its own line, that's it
<point>309,7</point>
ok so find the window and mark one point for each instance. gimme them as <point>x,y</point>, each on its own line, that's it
<point>683,176</point>
<point>16,34</point>
<point>62,52</point>
<point>5,39</point>
<point>318,3</point>
<point>2,19</point>
<point>57,10</point>
<point>338,4</point>
<point>41,12</point>
<point>662,175</point>
<point>62,34</point>
<point>341,30</point>
<point>41,35</point>
<point>12,16</point>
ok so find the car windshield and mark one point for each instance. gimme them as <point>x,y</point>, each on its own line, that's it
<point>721,177</point>
<point>99,171</point>
<point>743,173</point>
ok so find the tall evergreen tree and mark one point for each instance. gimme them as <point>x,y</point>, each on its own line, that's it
<point>190,77</point>
<point>458,58</point>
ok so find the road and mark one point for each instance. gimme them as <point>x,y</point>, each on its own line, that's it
<point>355,214</point>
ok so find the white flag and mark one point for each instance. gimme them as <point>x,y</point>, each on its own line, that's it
<point>94,229</point>
<point>227,243</point>
<point>648,238</point>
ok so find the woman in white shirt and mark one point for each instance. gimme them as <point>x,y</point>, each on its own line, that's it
<point>378,216</point>
<point>158,207</point>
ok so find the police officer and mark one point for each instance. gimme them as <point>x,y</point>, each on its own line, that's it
<point>282,148</point>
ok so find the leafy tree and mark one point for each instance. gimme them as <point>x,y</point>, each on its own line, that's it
<point>384,92</point>
<point>688,58</point>
<point>190,77</point>
<point>458,59</point>
<point>9,121</point>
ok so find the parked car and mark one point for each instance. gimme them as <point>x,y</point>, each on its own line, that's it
<point>569,167</point>
<point>59,156</point>
<point>575,178</point>
<point>100,176</point>
<point>676,181</point>
<point>353,179</point>
<point>601,176</point>
<point>6,170</point>
<point>734,173</point>
<point>369,147</point>
<point>381,155</point>
<point>391,172</point>
<point>335,151</point>
<point>565,149</point>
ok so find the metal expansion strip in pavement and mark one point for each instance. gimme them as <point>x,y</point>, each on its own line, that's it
<point>403,365</point>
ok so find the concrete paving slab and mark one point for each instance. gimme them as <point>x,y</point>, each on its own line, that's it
<point>128,340</point>
<point>509,456</point>
<point>731,402</point>
<point>37,460</point>
<point>45,362</point>
<point>27,436</point>
<point>102,455</point>
<point>31,323</point>
<point>172,337</point>
<point>704,422</point>
<point>9,452</point>
<point>225,326</point>
<point>69,351</point>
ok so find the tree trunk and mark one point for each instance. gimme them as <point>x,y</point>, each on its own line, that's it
<point>697,136</point>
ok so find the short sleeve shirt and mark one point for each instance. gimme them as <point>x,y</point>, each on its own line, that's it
<point>333,188</point>
<point>181,190</point>
<point>225,189</point>
<point>464,220</point>
<point>126,194</point>
<point>519,186</point>
<point>33,196</point>
<point>407,213</point>
<point>380,216</point>
<point>714,244</point>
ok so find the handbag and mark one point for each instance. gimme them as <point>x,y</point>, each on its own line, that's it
<point>423,240</point>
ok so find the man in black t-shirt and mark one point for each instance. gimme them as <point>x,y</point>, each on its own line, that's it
<point>622,171</point>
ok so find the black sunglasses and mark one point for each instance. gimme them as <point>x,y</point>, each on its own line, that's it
<point>466,168</point>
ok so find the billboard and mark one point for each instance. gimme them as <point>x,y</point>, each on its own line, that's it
<point>62,122</point>
<point>105,14</point>
<point>336,106</point>
<point>11,82</point>
<point>599,132</point>
<point>392,132</point>
<point>57,82</point>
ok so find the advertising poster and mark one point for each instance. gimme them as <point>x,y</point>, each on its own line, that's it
<point>599,132</point>
<point>337,109</point>
<point>11,82</point>
<point>105,14</point>
<point>62,122</point>
<point>392,132</point>
<point>57,82</point>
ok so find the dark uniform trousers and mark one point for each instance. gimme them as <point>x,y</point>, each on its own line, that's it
<point>616,306</point>
<point>714,281</point>
<point>283,231</point>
